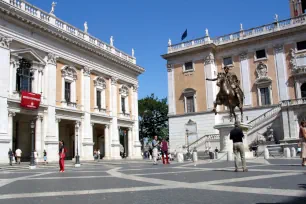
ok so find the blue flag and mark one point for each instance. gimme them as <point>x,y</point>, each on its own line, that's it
<point>184,35</point>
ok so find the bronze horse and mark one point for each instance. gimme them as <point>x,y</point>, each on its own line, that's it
<point>227,97</point>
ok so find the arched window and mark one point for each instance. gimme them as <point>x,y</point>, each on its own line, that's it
<point>124,100</point>
<point>100,86</point>
<point>189,100</point>
<point>303,90</point>
<point>24,76</point>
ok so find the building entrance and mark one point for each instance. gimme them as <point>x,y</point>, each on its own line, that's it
<point>22,135</point>
<point>98,139</point>
<point>124,149</point>
<point>67,134</point>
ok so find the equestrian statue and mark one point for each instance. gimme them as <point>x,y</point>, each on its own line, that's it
<point>230,93</point>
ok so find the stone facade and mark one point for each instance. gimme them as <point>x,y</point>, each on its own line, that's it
<point>83,83</point>
<point>270,62</point>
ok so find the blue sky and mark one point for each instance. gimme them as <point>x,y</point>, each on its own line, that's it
<point>147,25</point>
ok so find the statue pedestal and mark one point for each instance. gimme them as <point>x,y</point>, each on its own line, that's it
<point>226,145</point>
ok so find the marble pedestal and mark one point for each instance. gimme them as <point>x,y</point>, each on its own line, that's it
<point>226,145</point>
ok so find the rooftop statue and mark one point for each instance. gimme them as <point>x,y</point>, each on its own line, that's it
<point>230,93</point>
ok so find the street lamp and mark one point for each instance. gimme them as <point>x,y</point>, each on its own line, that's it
<point>32,163</point>
<point>77,157</point>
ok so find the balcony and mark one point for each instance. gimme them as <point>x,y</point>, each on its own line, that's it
<point>125,115</point>
<point>100,110</point>
<point>298,62</point>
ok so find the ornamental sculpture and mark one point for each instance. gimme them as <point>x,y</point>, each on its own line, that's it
<point>261,70</point>
<point>230,93</point>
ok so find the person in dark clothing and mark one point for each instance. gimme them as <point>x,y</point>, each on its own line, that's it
<point>11,155</point>
<point>236,135</point>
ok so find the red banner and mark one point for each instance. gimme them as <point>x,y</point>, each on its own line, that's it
<point>30,100</point>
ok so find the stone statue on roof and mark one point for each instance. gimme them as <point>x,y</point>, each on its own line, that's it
<point>53,7</point>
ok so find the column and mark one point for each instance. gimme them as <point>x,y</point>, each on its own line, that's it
<point>210,69</point>
<point>10,128</point>
<point>171,91</point>
<point>245,78</point>
<point>281,72</point>
<point>4,90</point>
<point>38,135</point>
<point>115,134</point>
<point>130,143</point>
<point>136,144</point>
<point>52,138</point>
<point>106,143</point>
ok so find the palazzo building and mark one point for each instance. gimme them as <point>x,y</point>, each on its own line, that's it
<point>88,88</point>
<point>270,62</point>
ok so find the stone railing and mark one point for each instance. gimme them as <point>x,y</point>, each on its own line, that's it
<point>67,28</point>
<point>100,110</point>
<point>292,102</point>
<point>125,115</point>
<point>298,62</point>
<point>241,35</point>
<point>265,116</point>
<point>202,139</point>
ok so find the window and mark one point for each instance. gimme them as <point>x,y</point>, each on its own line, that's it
<point>188,66</point>
<point>190,104</point>
<point>303,90</point>
<point>261,54</point>
<point>24,76</point>
<point>99,99</point>
<point>123,105</point>
<point>301,45</point>
<point>265,96</point>
<point>67,91</point>
<point>227,61</point>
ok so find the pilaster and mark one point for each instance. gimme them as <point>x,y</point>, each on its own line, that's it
<point>135,132</point>
<point>245,78</point>
<point>280,66</point>
<point>115,144</point>
<point>210,69</point>
<point>106,143</point>
<point>38,135</point>
<point>171,90</point>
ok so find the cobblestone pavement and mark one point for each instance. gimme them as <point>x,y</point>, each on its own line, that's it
<point>272,181</point>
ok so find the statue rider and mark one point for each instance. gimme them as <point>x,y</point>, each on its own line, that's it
<point>234,82</point>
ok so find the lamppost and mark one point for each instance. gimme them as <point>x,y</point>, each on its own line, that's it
<point>77,157</point>
<point>191,130</point>
<point>32,163</point>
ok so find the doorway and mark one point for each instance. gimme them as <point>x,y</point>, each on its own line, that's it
<point>123,135</point>
<point>22,135</point>
<point>67,134</point>
<point>98,138</point>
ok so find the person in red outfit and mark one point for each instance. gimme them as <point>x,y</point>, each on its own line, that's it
<point>62,156</point>
<point>164,150</point>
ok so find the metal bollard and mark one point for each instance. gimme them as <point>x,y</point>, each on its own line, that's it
<point>195,157</point>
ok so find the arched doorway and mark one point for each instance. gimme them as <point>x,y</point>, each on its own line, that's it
<point>303,90</point>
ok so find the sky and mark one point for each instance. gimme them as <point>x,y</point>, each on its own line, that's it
<point>146,26</point>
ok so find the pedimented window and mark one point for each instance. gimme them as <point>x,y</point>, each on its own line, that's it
<point>189,100</point>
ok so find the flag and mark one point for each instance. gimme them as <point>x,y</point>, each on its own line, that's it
<point>184,35</point>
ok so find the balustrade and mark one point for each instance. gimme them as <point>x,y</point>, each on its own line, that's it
<point>261,30</point>
<point>44,16</point>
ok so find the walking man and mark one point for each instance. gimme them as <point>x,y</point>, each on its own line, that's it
<point>10,155</point>
<point>18,155</point>
<point>236,135</point>
<point>155,151</point>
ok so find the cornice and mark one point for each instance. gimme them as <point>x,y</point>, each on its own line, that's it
<point>71,39</point>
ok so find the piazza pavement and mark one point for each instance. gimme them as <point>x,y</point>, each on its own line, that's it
<point>140,182</point>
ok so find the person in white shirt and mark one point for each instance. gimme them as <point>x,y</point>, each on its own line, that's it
<point>35,157</point>
<point>18,153</point>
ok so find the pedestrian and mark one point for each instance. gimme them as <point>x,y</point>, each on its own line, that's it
<point>236,135</point>
<point>216,152</point>
<point>98,154</point>
<point>121,151</point>
<point>95,154</point>
<point>164,150</point>
<point>62,154</point>
<point>302,142</point>
<point>18,153</point>
<point>150,151</point>
<point>45,157</point>
<point>155,151</point>
<point>10,155</point>
<point>35,157</point>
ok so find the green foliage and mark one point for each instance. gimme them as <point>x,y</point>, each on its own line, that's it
<point>153,119</point>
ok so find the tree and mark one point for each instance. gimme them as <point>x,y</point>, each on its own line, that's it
<point>153,119</point>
